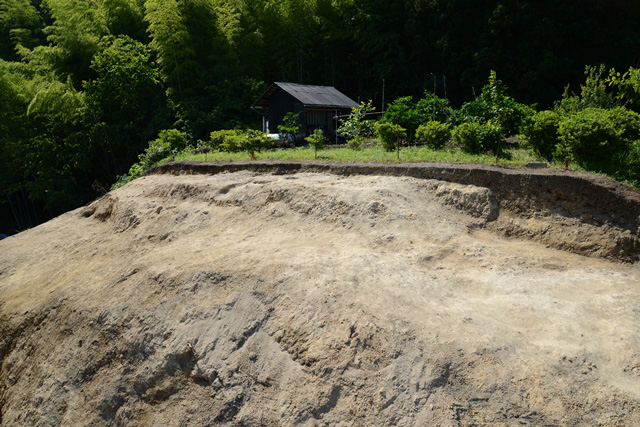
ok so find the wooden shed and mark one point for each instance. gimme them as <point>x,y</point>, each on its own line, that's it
<point>316,106</point>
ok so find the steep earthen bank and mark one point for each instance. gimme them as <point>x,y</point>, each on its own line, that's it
<point>267,297</point>
<point>581,213</point>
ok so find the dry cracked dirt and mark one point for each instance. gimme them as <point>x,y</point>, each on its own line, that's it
<point>267,296</point>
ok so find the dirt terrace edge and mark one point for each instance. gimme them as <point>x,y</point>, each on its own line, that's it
<point>603,216</point>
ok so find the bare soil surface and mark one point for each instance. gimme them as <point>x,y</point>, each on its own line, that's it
<point>318,295</point>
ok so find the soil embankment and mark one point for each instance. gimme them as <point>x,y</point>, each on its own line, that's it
<point>312,294</point>
<point>581,213</point>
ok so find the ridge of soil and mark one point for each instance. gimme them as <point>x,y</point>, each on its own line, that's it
<point>320,295</point>
<point>577,212</point>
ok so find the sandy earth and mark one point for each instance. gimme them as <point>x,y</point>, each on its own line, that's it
<point>309,299</point>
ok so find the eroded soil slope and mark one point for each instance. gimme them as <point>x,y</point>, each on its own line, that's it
<point>249,298</point>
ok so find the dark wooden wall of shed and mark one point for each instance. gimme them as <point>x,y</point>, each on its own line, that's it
<point>320,118</point>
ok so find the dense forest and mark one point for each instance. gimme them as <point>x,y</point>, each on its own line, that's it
<point>86,84</point>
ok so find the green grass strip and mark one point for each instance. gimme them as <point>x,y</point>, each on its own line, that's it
<point>513,158</point>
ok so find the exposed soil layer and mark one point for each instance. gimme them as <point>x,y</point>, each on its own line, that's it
<point>581,213</point>
<point>310,294</point>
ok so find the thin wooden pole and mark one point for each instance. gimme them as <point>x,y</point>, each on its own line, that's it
<point>383,84</point>
<point>500,139</point>
<point>398,139</point>
<point>336,127</point>
<point>444,82</point>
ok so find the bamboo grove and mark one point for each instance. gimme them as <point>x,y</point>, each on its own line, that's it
<point>86,84</point>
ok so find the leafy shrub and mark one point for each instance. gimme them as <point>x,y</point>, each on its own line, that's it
<point>481,111</point>
<point>357,124</point>
<point>219,138</point>
<point>390,135</point>
<point>626,122</point>
<point>409,114</point>
<point>602,140</point>
<point>494,105</point>
<point>541,131</point>
<point>402,112</point>
<point>136,170</point>
<point>631,164</point>
<point>627,85</point>
<point>598,139</point>
<point>173,138</point>
<point>467,137</point>
<point>355,143</point>
<point>434,134</point>
<point>593,94</point>
<point>476,138</point>
<point>290,125</point>
<point>316,140</point>
<point>588,138</point>
<point>433,108</point>
<point>169,142</point>
<point>234,143</point>
<point>256,140</point>
<point>158,149</point>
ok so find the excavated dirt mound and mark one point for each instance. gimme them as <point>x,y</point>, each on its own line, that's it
<point>288,294</point>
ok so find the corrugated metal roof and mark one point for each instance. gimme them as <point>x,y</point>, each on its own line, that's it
<point>310,95</point>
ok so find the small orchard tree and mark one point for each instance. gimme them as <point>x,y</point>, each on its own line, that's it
<point>256,141</point>
<point>494,105</point>
<point>476,138</point>
<point>390,135</point>
<point>290,125</point>
<point>434,134</point>
<point>627,84</point>
<point>594,93</point>
<point>356,126</point>
<point>218,139</point>
<point>403,112</point>
<point>541,132</point>
<point>233,141</point>
<point>316,140</point>
<point>433,108</point>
